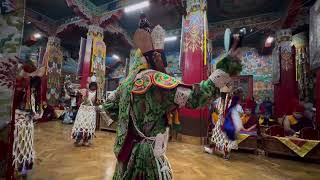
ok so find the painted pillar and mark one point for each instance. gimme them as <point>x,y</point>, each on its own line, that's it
<point>193,64</point>
<point>51,85</point>
<point>94,60</point>
<point>286,90</point>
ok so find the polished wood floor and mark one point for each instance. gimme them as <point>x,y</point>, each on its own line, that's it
<point>58,159</point>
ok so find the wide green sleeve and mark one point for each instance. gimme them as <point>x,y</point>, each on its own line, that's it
<point>112,102</point>
<point>198,95</point>
<point>201,94</point>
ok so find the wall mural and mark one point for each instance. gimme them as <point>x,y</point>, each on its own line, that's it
<point>173,64</point>
<point>258,66</point>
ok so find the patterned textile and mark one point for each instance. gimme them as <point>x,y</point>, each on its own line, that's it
<point>98,63</point>
<point>220,139</point>
<point>85,122</point>
<point>300,146</point>
<point>23,150</point>
<point>53,61</point>
<point>58,113</point>
<point>242,137</point>
<point>286,55</point>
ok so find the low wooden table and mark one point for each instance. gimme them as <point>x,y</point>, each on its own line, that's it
<point>272,145</point>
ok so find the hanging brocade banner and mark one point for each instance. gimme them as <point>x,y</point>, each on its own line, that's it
<point>98,63</point>
<point>53,61</point>
<point>302,64</point>
<point>286,55</point>
<point>276,65</point>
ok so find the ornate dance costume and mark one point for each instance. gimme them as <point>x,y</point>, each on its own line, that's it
<point>85,123</point>
<point>25,110</point>
<point>225,131</point>
<point>144,99</point>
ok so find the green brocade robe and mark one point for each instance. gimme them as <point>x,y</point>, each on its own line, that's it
<point>153,95</point>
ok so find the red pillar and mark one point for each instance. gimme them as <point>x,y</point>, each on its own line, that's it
<point>194,69</point>
<point>287,88</point>
<point>318,98</point>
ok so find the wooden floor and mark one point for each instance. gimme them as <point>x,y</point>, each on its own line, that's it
<point>58,159</point>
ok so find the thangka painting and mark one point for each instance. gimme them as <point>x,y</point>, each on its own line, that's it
<point>53,59</point>
<point>173,64</point>
<point>11,26</point>
<point>98,64</point>
<point>315,36</point>
<point>253,64</point>
<point>261,68</point>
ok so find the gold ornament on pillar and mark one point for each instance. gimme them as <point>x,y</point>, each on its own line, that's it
<point>194,27</point>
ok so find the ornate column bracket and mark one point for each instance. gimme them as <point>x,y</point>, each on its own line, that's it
<point>74,21</point>
<point>95,30</point>
<point>54,41</point>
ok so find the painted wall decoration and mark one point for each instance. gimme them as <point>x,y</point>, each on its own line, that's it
<point>11,23</point>
<point>98,65</point>
<point>261,69</point>
<point>253,64</point>
<point>314,35</point>
<point>173,62</point>
<point>53,59</point>
<point>193,29</point>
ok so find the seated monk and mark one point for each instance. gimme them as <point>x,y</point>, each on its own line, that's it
<point>47,113</point>
<point>293,123</point>
<point>249,120</point>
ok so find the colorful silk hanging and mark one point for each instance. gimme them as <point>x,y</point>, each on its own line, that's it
<point>53,62</point>
<point>98,63</point>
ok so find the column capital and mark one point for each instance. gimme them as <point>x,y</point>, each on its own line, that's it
<point>284,35</point>
<point>95,29</point>
<point>53,40</point>
<point>195,5</point>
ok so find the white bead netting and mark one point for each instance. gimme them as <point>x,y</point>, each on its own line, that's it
<point>23,151</point>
